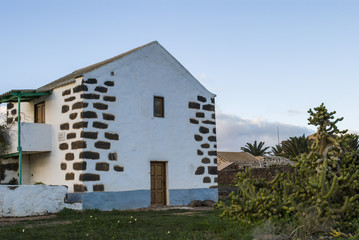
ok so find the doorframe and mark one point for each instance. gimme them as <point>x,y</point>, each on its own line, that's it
<point>166,179</point>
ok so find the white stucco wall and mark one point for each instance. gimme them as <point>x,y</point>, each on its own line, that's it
<point>19,201</point>
<point>139,77</point>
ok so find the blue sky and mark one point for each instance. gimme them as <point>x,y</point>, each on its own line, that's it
<point>268,61</point>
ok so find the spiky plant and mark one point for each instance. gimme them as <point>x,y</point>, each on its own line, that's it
<point>254,149</point>
<point>325,182</point>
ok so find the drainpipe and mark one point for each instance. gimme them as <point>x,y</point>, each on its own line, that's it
<point>19,139</point>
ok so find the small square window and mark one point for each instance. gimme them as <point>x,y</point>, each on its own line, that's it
<point>158,107</point>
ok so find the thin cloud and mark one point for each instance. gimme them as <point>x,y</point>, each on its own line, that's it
<point>233,132</point>
<point>292,112</point>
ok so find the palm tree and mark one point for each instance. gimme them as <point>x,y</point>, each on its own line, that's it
<point>277,150</point>
<point>352,142</point>
<point>295,146</point>
<point>255,150</point>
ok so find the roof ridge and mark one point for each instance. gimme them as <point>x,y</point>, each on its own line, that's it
<point>69,77</point>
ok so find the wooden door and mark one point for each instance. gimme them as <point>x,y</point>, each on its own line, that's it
<point>158,183</point>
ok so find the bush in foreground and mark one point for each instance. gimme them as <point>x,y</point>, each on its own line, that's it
<point>321,194</point>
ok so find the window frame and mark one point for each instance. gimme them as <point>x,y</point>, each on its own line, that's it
<point>42,117</point>
<point>162,106</point>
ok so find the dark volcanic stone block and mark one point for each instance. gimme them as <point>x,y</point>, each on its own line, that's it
<point>90,135</point>
<point>79,125</point>
<point>199,171</point>
<point>208,107</point>
<point>199,152</point>
<point>102,145</point>
<point>206,180</point>
<point>88,114</point>
<point>63,166</point>
<point>100,125</point>
<point>201,99</point>
<point>9,120</point>
<point>194,121</point>
<point>79,166</point>
<point>80,188</point>
<point>200,115</point>
<point>206,160</point>
<point>73,116</point>
<point>69,156</point>
<point>65,108</point>
<point>89,177</point>
<point>209,122</point>
<point>10,166</point>
<point>66,92</point>
<point>69,99</point>
<point>109,98</point>
<point>100,106</point>
<point>79,105</point>
<point>13,112</point>
<point>110,83</point>
<point>98,188</point>
<point>112,156</point>
<point>212,100</point>
<point>212,153</point>
<point>214,130</point>
<point>215,161</point>
<point>91,81</point>
<point>118,168</point>
<point>111,136</point>
<point>194,105</point>
<point>212,138</point>
<point>212,170</point>
<point>90,96</point>
<point>203,130</point>
<point>71,135</point>
<point>80,88</point>
<point>89,155</point>
<point>102,166</point>
<point>198,138</point>
<point>109,117</point>
<point>69,176</point>
<point>64,126</point>
<point>205,145</point>
<point>10,105</point>
<point>101,89</point>
<point>78,144</point>
<point>63,146</point>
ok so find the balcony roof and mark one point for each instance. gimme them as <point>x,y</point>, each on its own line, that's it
<point>25,95</point>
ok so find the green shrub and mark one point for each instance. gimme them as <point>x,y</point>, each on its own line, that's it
<point>321,193</point>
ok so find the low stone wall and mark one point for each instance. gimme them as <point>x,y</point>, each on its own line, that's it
<point>30,200</point>
<point>226,177</point>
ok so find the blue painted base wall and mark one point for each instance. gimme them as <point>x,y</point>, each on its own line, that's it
<point>107,201</point>
<point>186,196</point>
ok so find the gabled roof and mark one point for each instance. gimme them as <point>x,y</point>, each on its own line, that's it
<point>237,157</point>
<point>223,165</point>
<point>71,77</point>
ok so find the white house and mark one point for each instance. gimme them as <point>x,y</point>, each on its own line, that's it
<point>132,131</point>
